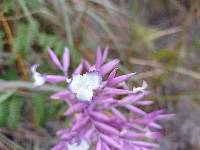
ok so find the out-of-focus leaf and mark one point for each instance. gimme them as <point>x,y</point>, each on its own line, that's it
<point>110,6</point>
<point>8,6</point>
<point>10,74</point>
<point>143,34</point>
<point>42,111</point>
<point>1,42</point>
<point>4,112</point>
<point>167,57</point>
<point>38,107</point>
<point>15,108</point>
<point>5,96</point>
<point>25,37</point>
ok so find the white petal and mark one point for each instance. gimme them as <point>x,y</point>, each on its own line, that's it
<point>85,145</point>
<point>83,85</point>
<point>82,146</point>
<point>93,80</point>
<point>140,89</point>
<point>37,77</point>
<point>144,84</point>
<point>76,83</point>
<point>84,94</point>
<point>148,133</point>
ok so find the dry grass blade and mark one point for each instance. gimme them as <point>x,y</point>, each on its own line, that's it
<point>7,144</point>
<point>147,74</point>
<point>157,65</point>
<point>165,32</point>
<point>112,8</point>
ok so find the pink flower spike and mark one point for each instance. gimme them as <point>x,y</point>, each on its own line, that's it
<point>109,66</point>
<point>165,116</point>
<point>105,146</point>
<point>121,79</point>
<point>132,135</point>
<point>66,60</point>
<point>106,128</point>
<point>131,99</point>
<point>61,132</point>
<point>100,116</point>
<point>61,95</point>
<point>66,136</point>
<point>79,69</point>
<point>105,54</point>
<point>155,125</point>
<point>75,109</point>
<point>55,78</point>
<point>110,142</point>
<point>80,123</point>
<point>87,65</point>
<point>89,133</point>
<point>98,59</point>
<point>112,74</point>
<point>60,146</point>
<point>104,113</point>
<point>54,58</point>
<point>118,114</point>
<point>144,103</point>
<point>109,90</point>
<point>135,109</point>
<point>145,144</point>
<point>99,145</point>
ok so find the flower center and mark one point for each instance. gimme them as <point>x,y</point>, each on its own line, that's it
<point>84,85</point>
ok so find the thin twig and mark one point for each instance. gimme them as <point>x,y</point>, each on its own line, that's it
<point>25,85</point>
<point>19,59</point>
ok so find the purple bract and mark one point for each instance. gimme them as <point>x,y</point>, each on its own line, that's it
<point>104,113</point>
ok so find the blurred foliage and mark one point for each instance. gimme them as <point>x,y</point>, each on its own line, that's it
<point>166,57</point>
<point>43,109</point>
<point>1,42</point>
<point>10,111</point>
<point>3,112</point>
<point>14,111</point>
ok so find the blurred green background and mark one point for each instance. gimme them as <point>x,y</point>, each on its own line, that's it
<point>159,39</point>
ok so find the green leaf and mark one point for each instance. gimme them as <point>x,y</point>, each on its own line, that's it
<point>25,38</point>
<point>38,108</point>
<point>4,112</point>
<point>167,57</point>
<point>8,6</point>
<point>5,96</point>
<point>15,108</point>
<point>1,42</point>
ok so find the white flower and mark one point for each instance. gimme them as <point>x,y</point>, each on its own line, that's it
<point>148,133</point>
<point>38,78</point>
<point>82,146</point>
<point>83,85</point>
<point>140,89</point>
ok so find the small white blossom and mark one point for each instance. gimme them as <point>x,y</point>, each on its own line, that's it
<point>82,146</point>
<point>38,78</point>
<point>83,85</point>
<point>140,89</point>
<point>148,133</point>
